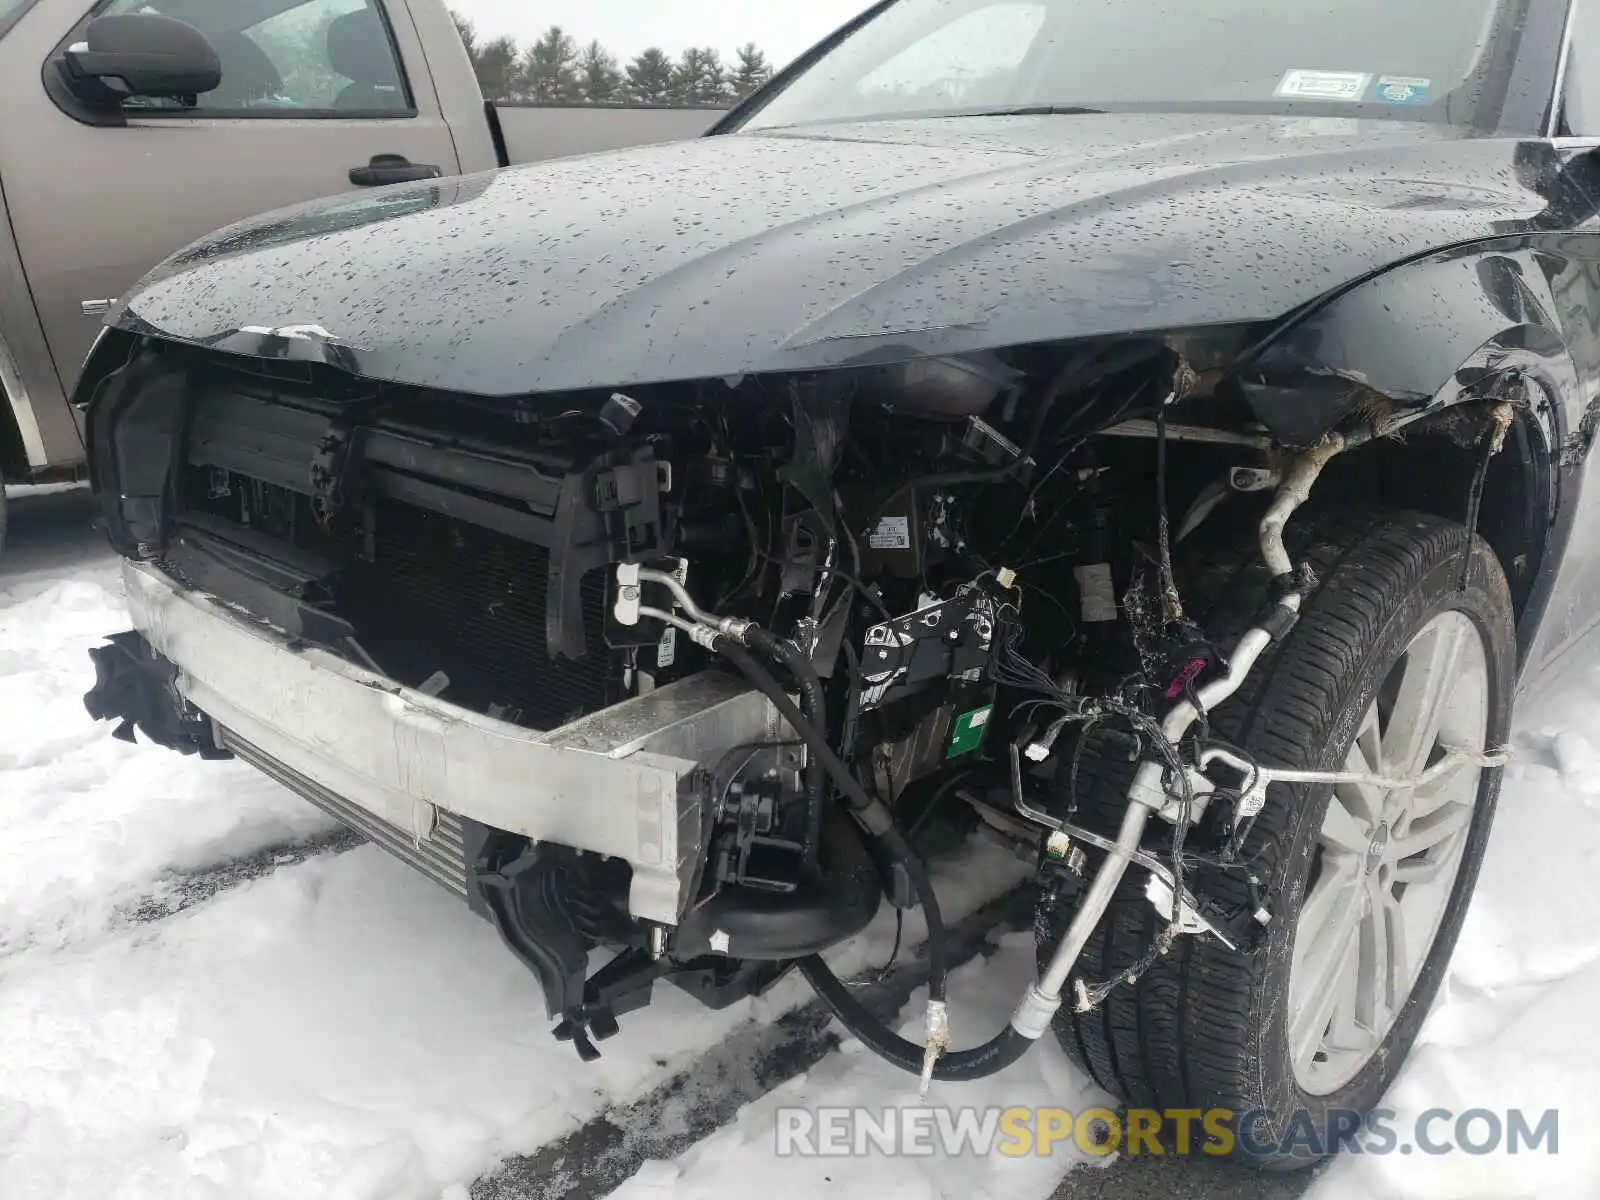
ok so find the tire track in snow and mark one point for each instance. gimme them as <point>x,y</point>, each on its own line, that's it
<point>183,890</point>
<point>178,891</point>
<point>595,1159</point>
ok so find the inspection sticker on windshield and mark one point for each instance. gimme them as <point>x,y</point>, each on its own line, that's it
<point>1324,85</point>
<point>1396,89</point>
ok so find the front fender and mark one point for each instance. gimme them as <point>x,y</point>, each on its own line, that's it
<point>1430,333</point>
<point>1518,317</point>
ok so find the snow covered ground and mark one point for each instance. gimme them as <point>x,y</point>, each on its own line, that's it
<point>340,1028</point>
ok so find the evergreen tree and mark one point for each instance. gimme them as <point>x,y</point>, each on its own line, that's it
<point>598,75</point>
<point>550,69</point>
<point>554,70</point>
<point>496,65</point>
<point>751,72</point>
<point>650,78</point>
<point>699,78</point>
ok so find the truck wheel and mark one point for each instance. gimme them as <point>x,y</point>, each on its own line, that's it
<point>3,516</point>
<point>1393,660</point>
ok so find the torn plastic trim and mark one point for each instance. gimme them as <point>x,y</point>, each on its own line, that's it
<point>135,687</point>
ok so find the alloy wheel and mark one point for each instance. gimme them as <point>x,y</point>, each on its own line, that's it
<point>1386,860</point>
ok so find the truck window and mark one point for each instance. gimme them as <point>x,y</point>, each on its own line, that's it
<point>302,56</point>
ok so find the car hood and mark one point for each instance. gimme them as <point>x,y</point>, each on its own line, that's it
<point>833,245</point>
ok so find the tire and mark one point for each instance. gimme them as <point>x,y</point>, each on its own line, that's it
<point>1208,1028</point>
<point>3,516</point>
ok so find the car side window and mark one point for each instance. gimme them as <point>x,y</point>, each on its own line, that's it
<point>289,56</point>
<point>1580,103</point>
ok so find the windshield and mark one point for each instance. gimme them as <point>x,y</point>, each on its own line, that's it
<point>1437,60</point>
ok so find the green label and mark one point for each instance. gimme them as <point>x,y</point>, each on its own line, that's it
<point>966,734</point>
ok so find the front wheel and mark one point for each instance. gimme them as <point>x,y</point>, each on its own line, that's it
<point>1404,659</point>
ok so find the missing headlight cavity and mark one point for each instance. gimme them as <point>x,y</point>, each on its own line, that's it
<point>858,605</point>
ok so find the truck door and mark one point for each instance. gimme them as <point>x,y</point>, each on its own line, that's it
<point>312,92</point>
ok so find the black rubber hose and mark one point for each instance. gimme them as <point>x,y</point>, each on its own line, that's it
<point>814,703</point>
<point>1000,1051</point>
<point>953,1066</point>
<point>874,817</point>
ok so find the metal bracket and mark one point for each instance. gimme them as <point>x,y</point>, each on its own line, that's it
<point>1159,892</point>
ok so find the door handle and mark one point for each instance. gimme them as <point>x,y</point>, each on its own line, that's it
<point>392,168</point>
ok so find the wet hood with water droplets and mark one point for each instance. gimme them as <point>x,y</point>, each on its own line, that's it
<point>835,245</point>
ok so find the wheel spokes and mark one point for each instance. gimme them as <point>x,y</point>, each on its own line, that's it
<point>1390,924</point>
<point>1384,857</point>
<point>1445,787</point>
<point>1343,832</point>
<point>1369,741</point>
<point>1328,910</point>
<point>1325,967</point>
<point>1430,831</point>
<point>1344,1030</point>
<point>1312,1029</point>
<point>1427,672</point>
<point>1364,801</point>
<point>1373,996</point>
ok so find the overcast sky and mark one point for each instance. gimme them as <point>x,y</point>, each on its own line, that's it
<point>783,28</point>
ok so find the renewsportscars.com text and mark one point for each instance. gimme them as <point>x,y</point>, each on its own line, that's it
<point>1018,1132</point>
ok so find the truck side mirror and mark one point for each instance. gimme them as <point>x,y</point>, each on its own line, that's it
<point>139,54</point>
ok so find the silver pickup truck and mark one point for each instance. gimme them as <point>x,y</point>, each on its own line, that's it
<point>102,176</point>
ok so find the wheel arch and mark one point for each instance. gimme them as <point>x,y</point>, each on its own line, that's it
<point>1422,349</point>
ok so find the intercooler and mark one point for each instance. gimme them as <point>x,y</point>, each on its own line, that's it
<point>438,853</point>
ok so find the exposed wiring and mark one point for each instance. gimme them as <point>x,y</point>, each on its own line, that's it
<point>1171,604</point>
<point>1065,456</point>
<point>1010,668</point>
<point>894,953</point>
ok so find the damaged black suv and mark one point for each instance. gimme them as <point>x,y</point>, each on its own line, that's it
<point>1155,431</point>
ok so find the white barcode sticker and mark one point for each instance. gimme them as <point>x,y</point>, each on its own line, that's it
<point>892,533</point>
<point>667,648</point>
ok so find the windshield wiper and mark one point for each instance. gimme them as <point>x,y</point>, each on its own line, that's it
<point>1031,110</point>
